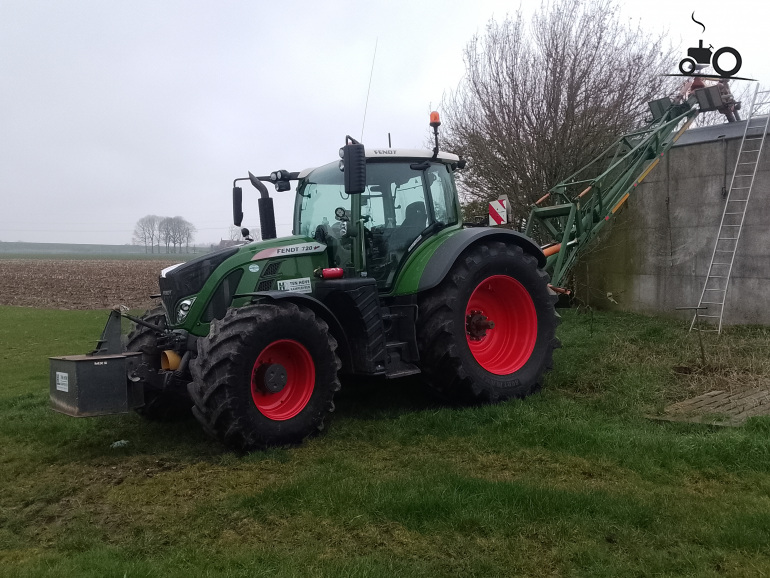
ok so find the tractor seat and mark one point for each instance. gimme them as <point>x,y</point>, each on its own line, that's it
<point>413,225</point>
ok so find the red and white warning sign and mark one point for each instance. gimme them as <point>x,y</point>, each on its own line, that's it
<point>498,211</point>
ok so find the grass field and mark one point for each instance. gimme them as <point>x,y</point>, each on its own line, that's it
<point>573,481</point>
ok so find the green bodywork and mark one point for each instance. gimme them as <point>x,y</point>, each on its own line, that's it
<point>587,200</point>
<point>294,267</point>
<point>409,277</point>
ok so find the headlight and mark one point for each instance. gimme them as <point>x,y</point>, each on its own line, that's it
<point>183,309</point>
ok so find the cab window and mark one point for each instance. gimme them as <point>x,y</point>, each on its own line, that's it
<point>324,213</point>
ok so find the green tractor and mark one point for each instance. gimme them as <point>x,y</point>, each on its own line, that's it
<point>380,279</point>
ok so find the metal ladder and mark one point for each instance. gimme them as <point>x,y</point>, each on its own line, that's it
<point>718,277</point>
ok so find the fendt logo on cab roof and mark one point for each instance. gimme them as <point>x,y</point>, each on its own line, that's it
<point>384,151</point>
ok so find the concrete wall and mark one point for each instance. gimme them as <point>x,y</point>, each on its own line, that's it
<point>655,256</point>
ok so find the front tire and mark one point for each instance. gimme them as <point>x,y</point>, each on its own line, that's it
<point>488,332</point>
<point>265,376</point>
<point>687,66</point>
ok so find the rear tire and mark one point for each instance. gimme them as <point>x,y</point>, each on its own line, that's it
<point>265,376</point>
<point>721,71</point>
<point>159,405</point>
<point>488,332</point>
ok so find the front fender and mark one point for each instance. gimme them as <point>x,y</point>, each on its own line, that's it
<point>321,310</point>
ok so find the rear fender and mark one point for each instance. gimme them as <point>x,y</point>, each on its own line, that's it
<point>421,275</point>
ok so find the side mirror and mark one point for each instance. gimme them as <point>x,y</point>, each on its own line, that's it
<point>354,166</point>
<point>237,206</point>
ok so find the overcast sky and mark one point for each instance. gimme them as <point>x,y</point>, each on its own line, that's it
<point>112,110</point>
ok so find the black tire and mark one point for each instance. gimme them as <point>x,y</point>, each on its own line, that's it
<point>229,376</point>
<point>447,327</point>
<point>734,69</point>
<point>159,405</point>
<point>686,63</point>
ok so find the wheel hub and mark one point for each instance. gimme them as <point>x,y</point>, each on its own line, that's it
<point>272,377</point>
<point>476,325</point>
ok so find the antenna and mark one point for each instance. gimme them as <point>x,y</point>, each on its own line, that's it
<point>371,73</point>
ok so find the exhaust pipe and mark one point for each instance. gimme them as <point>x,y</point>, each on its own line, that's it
<point>266,211</point>
<point>266,217</point>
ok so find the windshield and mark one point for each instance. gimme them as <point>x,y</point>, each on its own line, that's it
<point>401,200</point>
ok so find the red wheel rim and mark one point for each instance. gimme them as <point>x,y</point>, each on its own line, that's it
<point>300,374</point>
<point>507,346</point>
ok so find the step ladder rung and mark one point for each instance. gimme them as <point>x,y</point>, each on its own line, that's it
<point>735,213</point>
<point>715,263</point>
<point>727,239</point>
<point>730,225</point>
<point>717,277</point>
<point>722,290</point>
<point>711,303</point>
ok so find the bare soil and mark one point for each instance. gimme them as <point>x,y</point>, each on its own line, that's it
<point>79,284</point>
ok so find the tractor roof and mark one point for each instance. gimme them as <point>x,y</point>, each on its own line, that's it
<point>385,153</point>
<point>398,154</point>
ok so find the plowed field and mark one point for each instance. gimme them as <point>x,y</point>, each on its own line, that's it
<point>79,284</point>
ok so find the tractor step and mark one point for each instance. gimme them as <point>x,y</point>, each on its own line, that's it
<point>413,370</point>
<point>395,366</point>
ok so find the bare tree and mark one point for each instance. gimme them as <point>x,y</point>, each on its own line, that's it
<point>174,233</point>
<point>234,233</point>
<point>166,232</point>
<point>146,233</point>
<point>540,101</point>
<point>186,233</point>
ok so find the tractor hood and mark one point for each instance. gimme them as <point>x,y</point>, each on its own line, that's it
<point>202,289</point>
<point>187,279</point>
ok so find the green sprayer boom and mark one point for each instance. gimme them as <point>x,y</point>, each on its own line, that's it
<point>585,201</point>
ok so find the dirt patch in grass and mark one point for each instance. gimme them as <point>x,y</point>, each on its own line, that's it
<point>79,284</point>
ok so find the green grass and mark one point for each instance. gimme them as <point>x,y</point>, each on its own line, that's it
<point>573,481</point>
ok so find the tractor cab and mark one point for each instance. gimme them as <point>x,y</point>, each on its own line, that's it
<point>408,196</point>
